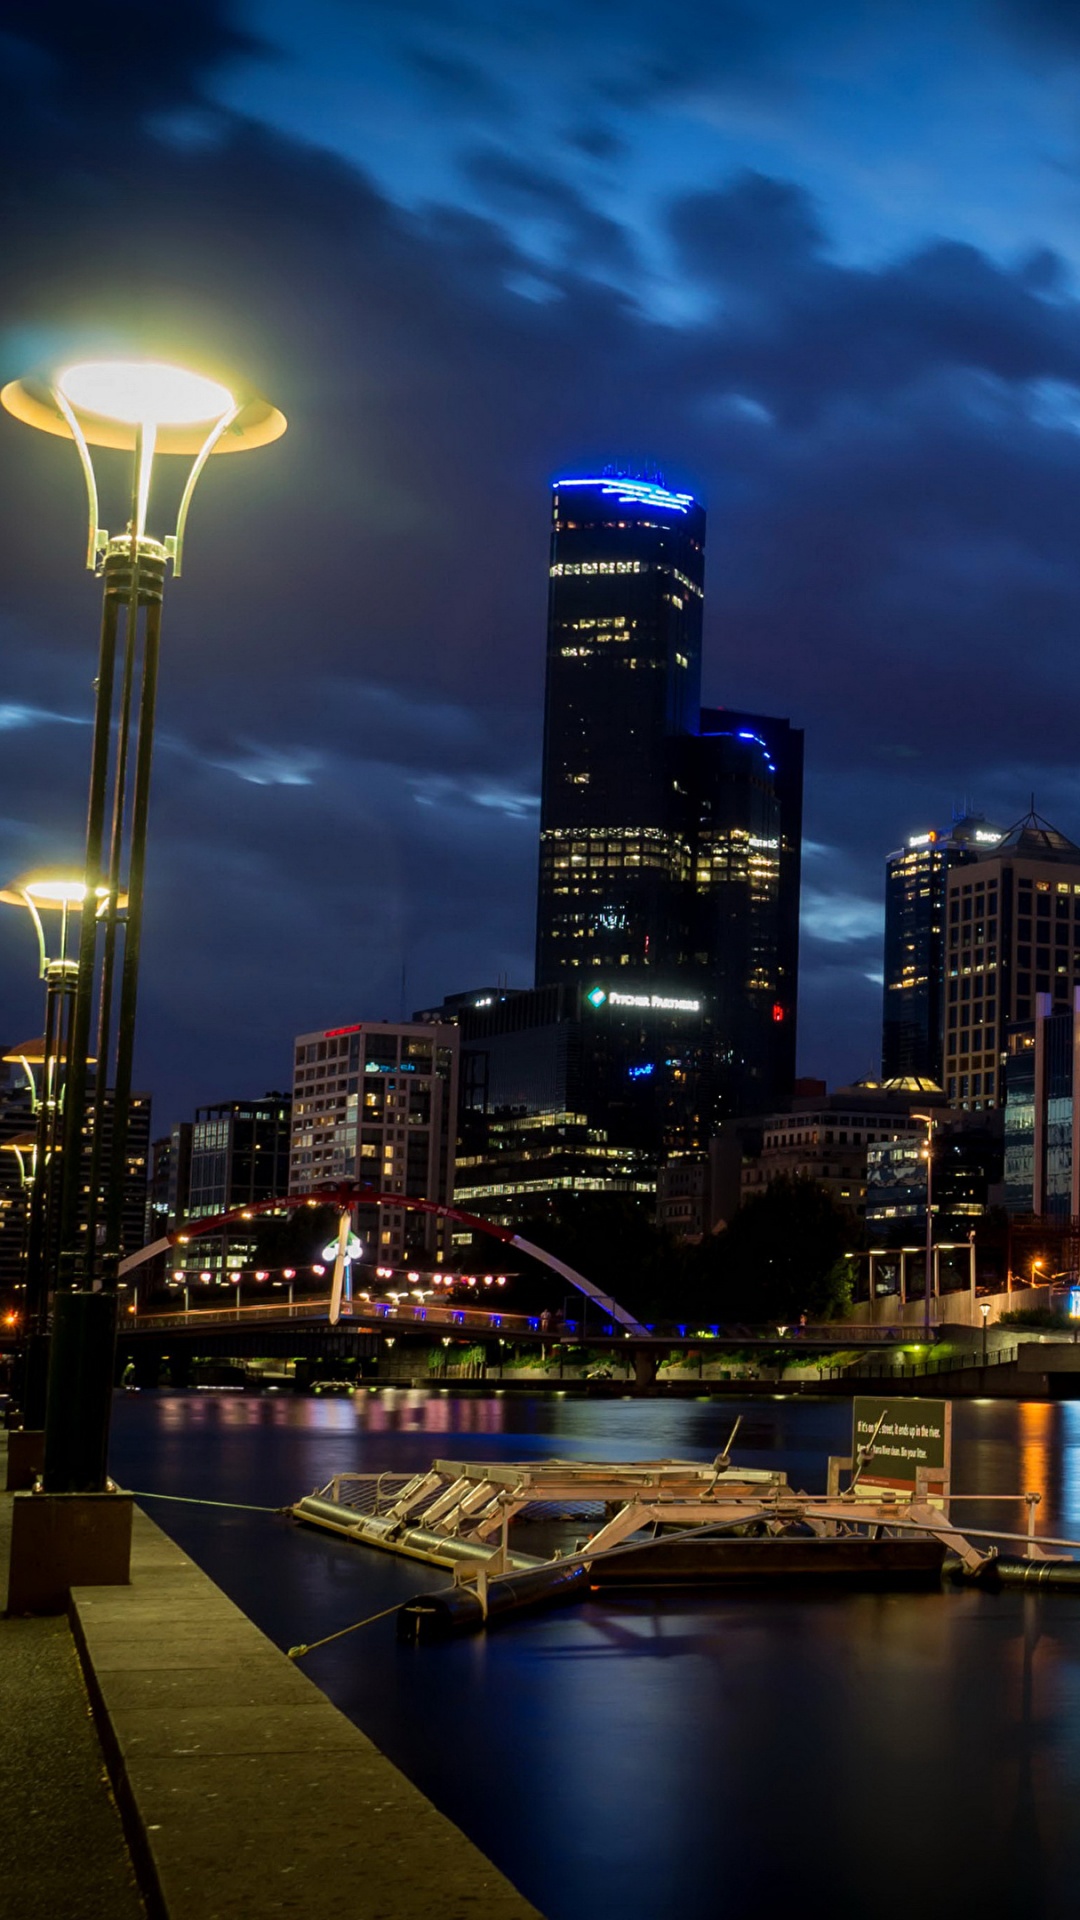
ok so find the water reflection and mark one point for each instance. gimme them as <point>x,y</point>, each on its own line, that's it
<point>737,1756</point>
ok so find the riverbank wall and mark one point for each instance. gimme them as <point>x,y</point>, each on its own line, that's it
<point>243,1793</point>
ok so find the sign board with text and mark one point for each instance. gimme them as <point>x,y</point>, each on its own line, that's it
<point>909,1440</point>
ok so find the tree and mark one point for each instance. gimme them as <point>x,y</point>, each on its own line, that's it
<point>781,1256</point>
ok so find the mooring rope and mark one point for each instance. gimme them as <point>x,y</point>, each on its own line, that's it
<point>295,1653</point>
<point>187,1500</point>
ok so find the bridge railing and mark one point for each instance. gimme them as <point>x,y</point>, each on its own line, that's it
<point>316,1308</point>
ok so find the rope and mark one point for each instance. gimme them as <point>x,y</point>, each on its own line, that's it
<point>295,1653</point>
<point>186,1500</point>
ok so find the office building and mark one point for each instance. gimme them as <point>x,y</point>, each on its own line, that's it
<point>1012,932</point>
<point>967,1173</point>
<point>828,1140</point>
<point>170,1180</point>
<point>579,1086</point>
<point>17,1126</point>
<point>234,1154</point>
<point>377,1103</point>
<point>1042,1101</point>
<point>238,1156</point>
<point>670,837</point>
<point>913,1023</point>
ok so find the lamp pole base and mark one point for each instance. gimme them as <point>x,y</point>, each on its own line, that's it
<point>82,1361</point>
<point>25,1457</point>
<point>65,1540</point>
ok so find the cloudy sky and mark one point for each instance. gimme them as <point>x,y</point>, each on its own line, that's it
<point>820,264</point>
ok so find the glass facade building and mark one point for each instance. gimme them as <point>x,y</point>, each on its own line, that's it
<point>913,1021</point>
<point>238,1155</point>
<point>1042,1088</point>
<point>670,837</point>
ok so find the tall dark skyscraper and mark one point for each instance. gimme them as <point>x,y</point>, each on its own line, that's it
<point>669,837</point>
<point>916,877</point>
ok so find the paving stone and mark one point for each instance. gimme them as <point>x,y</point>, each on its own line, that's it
<point>192,1731</point>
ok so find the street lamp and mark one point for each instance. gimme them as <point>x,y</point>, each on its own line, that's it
<point>984,1309</point>
<point>927,1120</point>
<point>141,407</point>
<point>44,894</point>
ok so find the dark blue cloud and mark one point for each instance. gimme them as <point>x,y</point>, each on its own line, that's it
<point>352,680</point>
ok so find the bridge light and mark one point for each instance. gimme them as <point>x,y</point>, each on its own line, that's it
<point>178,1273</point>
<point>500,1280</point>
<point>204,1276</point>
<point>288,1273</point>
<point>262,1274</point>
<point>318,1269</point>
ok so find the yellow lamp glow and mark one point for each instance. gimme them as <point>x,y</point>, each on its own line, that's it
<point>144,393</point>
<point>56,893</point>
<point>106,402</point>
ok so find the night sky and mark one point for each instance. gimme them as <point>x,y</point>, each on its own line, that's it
<point>818,264</point>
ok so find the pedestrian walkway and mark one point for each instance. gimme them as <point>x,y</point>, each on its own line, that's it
<point>62,1849</point>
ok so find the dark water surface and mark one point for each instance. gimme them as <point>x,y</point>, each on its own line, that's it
<point>702,1756</point>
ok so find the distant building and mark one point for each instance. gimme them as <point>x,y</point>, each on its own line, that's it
<point>1042,1108</point>
<point>170,1180</point>
<point>967,1171</point>
<point>17,1124</point>
<point>239,1155</point>
<point>1012,933</point>
<point>828,1140</point>
<point>377,1103</point>
<point>684,1197</point>
<point>584,1085</point>
<point>670,837</point>
<point>913,1024</point>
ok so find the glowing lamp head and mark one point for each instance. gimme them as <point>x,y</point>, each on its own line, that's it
<point>53,891</point>
<point>110,400</point>
<point>144,393</point>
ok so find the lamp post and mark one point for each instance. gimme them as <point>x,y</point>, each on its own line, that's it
<point>45,894</point>
<point>143,408</point>
<point>984,1309</point>
<point>927,1120</point>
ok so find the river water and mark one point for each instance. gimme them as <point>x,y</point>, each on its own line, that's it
<point>706,1756</point>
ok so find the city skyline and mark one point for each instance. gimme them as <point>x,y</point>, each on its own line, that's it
<point>800,307</point>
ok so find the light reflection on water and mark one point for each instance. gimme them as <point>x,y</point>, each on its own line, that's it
<point>705,1755</point>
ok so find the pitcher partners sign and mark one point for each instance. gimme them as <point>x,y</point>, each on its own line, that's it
<point>910,1440</point>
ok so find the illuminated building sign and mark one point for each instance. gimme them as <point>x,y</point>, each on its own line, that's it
<point>335,1033</point>
<point>627,492</point>
<point>648,1002</point>
<point>986,839</point>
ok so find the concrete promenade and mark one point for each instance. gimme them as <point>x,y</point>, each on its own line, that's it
<point>62,1850</point>
<point>243,1792</point>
